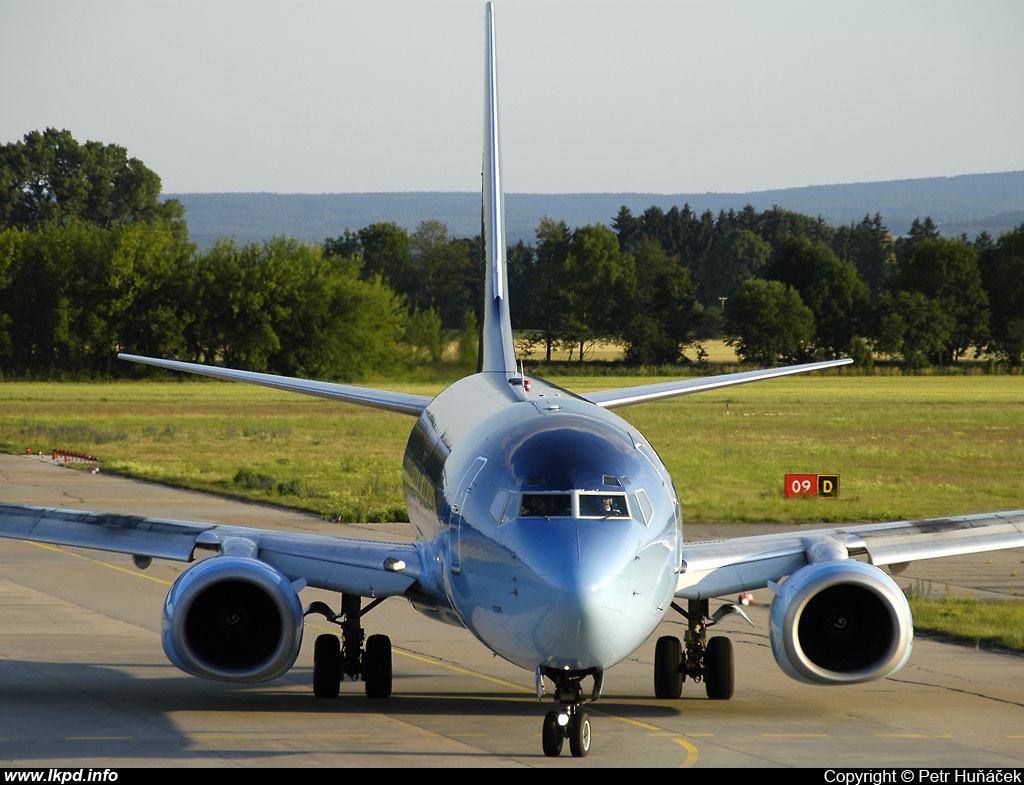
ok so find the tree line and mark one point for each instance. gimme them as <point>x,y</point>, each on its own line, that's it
<point>92,263</point>
<point>779,286</point>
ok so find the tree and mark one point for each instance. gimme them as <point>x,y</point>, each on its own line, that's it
<point>73,295</point>
<point>597,276</point>
<point>443,271</point>
<point>281,307</point>
<point>11,247</point>
<point>768,322</point>
<point>832,289</point>
<point>947,272</point>
<point>522,259</point>
<point>358,328</point>
<point>547,293</point>
<point>913,326</point>
<point>871,249</point>
<point>679,232</point>
<point>385,250</point>
<point>49,176</point>
<point>151,308</point>
<point>469,341</point>
<point>919,230</point>
<point>923,230</point>
<point>1002,273</point>
<point>840,302</point>
<point>738,257</point>
<point>423,334</point>
<point>234,320</point>
<point>778,224</point>
<point>797,261</point>
<point>664,310</point>
<point>629,229</point>
<point>56,299</point>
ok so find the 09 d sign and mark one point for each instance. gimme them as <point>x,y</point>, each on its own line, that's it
<point>812,485</point>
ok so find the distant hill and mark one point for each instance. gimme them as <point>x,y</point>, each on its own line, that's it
<point>967,204</point>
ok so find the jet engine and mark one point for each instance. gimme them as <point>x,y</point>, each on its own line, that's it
<point>840,622</point>
<point>232,619</point>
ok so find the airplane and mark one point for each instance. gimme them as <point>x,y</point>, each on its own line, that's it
<point>546,525</point>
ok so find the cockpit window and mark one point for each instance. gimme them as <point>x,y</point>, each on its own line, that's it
<point>498,504</point>
<point>546,505</point>
<point>603,505</point>
<point>508,505</point>
<point>643,501</point>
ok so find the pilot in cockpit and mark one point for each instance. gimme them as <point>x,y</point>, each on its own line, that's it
<point>535,505</point>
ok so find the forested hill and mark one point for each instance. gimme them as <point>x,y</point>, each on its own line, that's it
<point>967,204</point>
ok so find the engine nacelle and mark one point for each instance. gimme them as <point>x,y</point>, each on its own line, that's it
<point>232,619</point>
<point>840,622</point>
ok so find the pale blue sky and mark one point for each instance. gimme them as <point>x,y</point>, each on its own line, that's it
<point>654,96</point>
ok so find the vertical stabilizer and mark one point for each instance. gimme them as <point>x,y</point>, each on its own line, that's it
<point>497,351</point>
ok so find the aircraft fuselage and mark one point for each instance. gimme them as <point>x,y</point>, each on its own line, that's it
<point>552,523</point>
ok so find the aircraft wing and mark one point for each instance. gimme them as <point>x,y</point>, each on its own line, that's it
<point>403,403</point>
<point>628,396</point>
<point>364,567</point>
<point>718,567</point>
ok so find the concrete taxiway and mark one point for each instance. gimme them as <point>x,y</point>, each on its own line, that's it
<point>84,682</point>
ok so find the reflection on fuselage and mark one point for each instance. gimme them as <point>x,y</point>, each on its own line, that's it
<point>552,523</point>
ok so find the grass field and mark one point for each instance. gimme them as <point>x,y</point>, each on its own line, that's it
<point>902,446</point>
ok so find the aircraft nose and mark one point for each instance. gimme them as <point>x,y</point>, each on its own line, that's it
<point>604,594</point>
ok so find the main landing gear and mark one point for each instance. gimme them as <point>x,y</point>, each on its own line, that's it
<point>334,659</point>
<point>569,720</point>
<point>706,659</point>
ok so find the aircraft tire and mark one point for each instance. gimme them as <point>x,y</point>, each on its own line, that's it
<point>327,666</point>
<point>579,734</point>
<point>377,666</point>
<point>668,675</point>
<point>718,678</point>
<point>552,735</point>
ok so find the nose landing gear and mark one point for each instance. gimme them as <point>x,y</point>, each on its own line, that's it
<point>569,720</point>
<point>572,722</point>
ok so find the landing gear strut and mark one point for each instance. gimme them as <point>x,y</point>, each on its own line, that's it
<point>569,720</point>
<point>706,659</point>
<point>334,659</point>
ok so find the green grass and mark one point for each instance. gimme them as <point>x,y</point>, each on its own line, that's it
<point>903,446</point>
<point>237,440</point>
<point>984,624</point>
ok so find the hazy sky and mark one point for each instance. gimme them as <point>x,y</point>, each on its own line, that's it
<point>653,96</point>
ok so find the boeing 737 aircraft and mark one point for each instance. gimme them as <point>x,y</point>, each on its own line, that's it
<point>546,525</point>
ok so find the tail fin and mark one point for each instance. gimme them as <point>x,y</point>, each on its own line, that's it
<point>497,351</point>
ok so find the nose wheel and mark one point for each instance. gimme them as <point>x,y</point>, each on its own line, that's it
<point>569,720</point>
<point>559,725</point>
